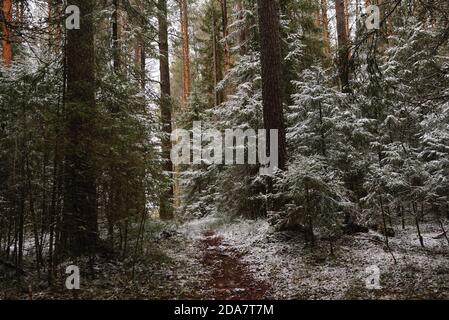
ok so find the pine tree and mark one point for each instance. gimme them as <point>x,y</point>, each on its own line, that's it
<point>270,52</point>
<point>343,44</point>
<point>166,206</point>
<point>186,82</point>
<point>80,221</point>
<point>6,38</point>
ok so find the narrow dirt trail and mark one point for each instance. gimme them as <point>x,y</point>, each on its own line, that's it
<point>229,277</point>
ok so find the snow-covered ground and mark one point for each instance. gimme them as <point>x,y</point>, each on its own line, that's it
<point>297,271</point>
<point>205,258</point>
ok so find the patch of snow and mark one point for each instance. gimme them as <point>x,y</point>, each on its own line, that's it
<point>297,271</point>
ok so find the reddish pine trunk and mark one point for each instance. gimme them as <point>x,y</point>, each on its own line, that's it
<point>6,42</point>
<point>185,54</point>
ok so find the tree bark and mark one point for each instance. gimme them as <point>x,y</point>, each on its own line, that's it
<point>226,49</point>
<point>140,49</point>
<point>115,36</point>
<point>166,201</point>
<point>270,49</point>
<point>6,41</point>
<point>243,32</point>
<point>217,71</point>
<point>343,44</point>
<point>325,28</point>
<point>185,54</point>
<point>347,15</point>
<point>80,229</point>
<point>227,52</point>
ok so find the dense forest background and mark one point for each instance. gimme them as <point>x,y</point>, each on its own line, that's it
<point>86,117</point>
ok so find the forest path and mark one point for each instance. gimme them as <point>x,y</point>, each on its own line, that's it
<point>245,259</point>
<point>229,278</point>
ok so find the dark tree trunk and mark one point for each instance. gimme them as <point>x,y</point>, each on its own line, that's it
<point>80,230</point>
<point>270,48</point>
<point>343,44</point>
<point>225,23</point>
<point>115,36</point>
<point>166,201</point>
<point>143,64</point>
<point>218,96</point>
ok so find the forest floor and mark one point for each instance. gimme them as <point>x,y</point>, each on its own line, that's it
<point>282,266</point>
<point>214,258</point>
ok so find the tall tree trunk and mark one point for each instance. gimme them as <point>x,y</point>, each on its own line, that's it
<point>80,229</point>
<point>185,54</point>
<point>116,36</point>
<point>270,48</point>
<point>215,55</point>
<point>243,32</point>
<point>166,201</point>
<point>140,62</point>
<point>225,23</point>
<point>226,49</point>
<point>140,49</point>
<point>347,16</point>
<point>325,28</point>
<point>343,44</point>
<point>6,41</point>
